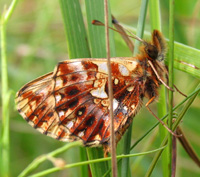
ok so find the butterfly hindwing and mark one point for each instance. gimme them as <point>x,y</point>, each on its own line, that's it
<point>72,102</point>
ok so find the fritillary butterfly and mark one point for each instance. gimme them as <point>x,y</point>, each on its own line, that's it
<point>71,103</point>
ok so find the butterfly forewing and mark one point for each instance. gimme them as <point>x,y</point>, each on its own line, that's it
<point>72,102</point>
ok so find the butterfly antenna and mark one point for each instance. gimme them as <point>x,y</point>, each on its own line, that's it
<point>179,91</point>
<point>126,38</point>
<point>115,22</point>
<point>98,23</point>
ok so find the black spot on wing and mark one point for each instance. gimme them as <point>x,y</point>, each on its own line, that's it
<point>50,114</point>
<point>73,91</point>
<point>81,111</point>
<point>73,103</point>
<point>90,121</point>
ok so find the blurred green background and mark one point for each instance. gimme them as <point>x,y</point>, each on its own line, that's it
<point>36,42</point>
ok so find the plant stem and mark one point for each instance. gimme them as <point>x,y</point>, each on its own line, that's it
<point>171,81</point>
<point>5,156</point>
<point>110,91</point>
<point>5,140</point>
<point>33,165</point>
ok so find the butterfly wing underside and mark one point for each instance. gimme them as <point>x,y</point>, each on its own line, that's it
<point>71,103</point>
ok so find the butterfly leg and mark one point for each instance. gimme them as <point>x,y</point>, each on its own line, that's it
<point>106,150</point>
<point>157,75</point>
<point>168,129</point>
<point>180,91</point>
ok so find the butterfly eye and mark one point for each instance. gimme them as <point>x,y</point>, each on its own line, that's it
<point>152,51</point>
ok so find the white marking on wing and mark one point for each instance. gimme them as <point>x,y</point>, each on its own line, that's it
<point>59,82</point>
<point>99,92</point>
<point>116,81</point>
<point>58,97</point>
<point>102,67</point>
<point>115,104</point>
<point>70,124</point>
<point>80,134</point>
<point>123,70</point>
<point>125,108</point>
<point>61,113</point>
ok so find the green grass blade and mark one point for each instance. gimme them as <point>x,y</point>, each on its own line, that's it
<point>77,44</point>
<point>83,157</point>
<point>5,94</point>
<point>187,59</point>
<point>141,25</point>
<point>95,11</point>
<point>75,30</point>
<point>155,18</point>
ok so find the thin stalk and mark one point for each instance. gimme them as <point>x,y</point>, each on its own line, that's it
<point>171,81</point>
<point>110,90</point>
<point>9,12</point>
<point>5,155</point>
<point>33,165</point>
<point>5,94</point>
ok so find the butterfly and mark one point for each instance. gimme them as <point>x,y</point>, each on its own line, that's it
<point>72,103</point>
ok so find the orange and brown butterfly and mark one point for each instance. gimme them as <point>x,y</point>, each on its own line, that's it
<point>71,103</point>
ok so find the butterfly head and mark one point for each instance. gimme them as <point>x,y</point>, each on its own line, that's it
<point>151,51</point>
<point>156,49</point>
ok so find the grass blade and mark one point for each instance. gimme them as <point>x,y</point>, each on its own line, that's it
<point>75,29</point>
<point>155,17</point>
<point>141,24</point>
<point>5,93</point>
<point>77,43</point>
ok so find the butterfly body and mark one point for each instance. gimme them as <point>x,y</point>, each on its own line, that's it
<point>72,102</point>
